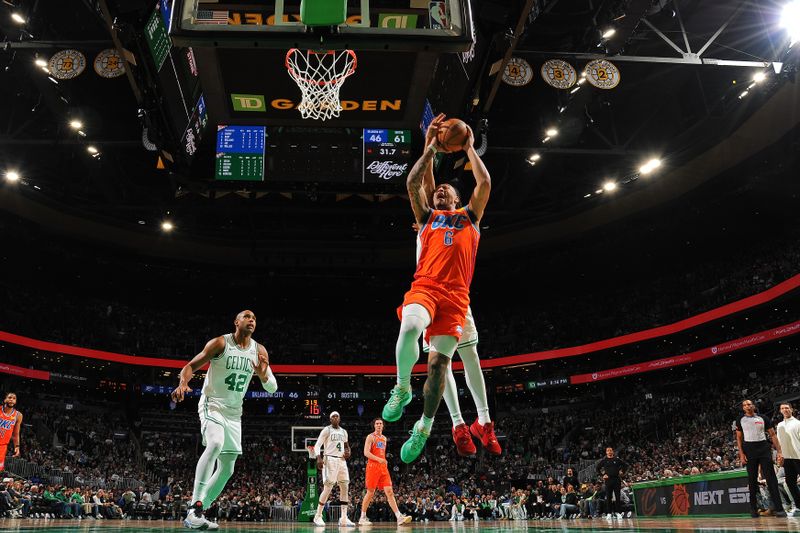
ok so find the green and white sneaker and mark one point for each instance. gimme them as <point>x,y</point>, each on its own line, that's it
<point>414,446</point>
<point>393,409</point>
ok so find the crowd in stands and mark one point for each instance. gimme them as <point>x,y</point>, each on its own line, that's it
<point>544,324</point>
<point>677,427</point>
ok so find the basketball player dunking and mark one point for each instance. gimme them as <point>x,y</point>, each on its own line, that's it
<point>10,425</point>
<point>439,296</point>
<point>378,474</point>
<point>333,450</point>
<point>467,349</point>
<point>232,360</point>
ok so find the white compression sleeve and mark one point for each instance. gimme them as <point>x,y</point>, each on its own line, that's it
<point>475,381</point>
<point>415,319</point>
<point>451,397</point>
<point>214,438</point>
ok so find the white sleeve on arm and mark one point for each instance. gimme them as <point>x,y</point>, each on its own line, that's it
<point>323,436</point>
<point>271,385</point>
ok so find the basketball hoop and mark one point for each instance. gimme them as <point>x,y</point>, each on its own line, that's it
<point>320,75</point>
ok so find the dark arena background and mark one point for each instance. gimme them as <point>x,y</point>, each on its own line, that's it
<point>638,279</point>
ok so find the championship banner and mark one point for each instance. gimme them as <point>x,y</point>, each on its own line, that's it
<point>693,357</point>
<point>719,493</point>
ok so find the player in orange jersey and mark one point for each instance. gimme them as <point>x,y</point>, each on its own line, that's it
<point>439,296</point>
<point>10,425</point>
<point>378,474</point>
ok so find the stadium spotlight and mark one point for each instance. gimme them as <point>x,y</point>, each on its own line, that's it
<point>609,33</point>
<point>759,77</point>
<point>551,132</point>
<point>75,124</point>
<point>745,93</point>
<point>19,19</point>
<point>167,226</point>
<point>39,62</point>
<point>92,150</point>
<point>582,79</point>
<point>790,19</point>
<point>599,191</point>
<point>609,186</point>
<point>650,166</point>
<point>535,157</point>
<point>12,175</point>
<point>576,89</point>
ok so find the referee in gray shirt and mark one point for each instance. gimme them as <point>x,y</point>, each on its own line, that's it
<point>755,451</point>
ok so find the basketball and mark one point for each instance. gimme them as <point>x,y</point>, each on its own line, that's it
<point>452,135</point>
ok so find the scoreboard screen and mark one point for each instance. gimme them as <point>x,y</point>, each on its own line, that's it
<point>240,153</point>
<point>386,155</point>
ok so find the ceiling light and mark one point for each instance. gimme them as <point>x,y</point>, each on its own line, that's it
<point>599,191</point>
<point>609,186</point>
<point>545,139</point>
<point>19,19</point>
<point>75,124</point>
<point>92,149</point>
<point>552,132</point>
<point>745,93</point>
<point>759,77</point>
<point>535,157</point>
<point>587,195</point>
<point>39,62</point>
<point>82,133</point>
<point>12,175</point>
<point>45,69</point>
<point>576,89</point>
<point>609,33</point>
<point>790,19</point>
<point>650,166</point>
<point>167,225</point>
<point>582,79</point>
<point>52,79</point>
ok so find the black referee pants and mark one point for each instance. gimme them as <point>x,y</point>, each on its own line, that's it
<point>761,455</point>
<point>791,468</point>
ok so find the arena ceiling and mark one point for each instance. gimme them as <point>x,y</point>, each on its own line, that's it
<point>684,67</point>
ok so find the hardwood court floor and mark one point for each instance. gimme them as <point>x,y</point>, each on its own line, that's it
<point>657,525</point>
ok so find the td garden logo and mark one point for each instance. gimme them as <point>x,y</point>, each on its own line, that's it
<point>258,104</point>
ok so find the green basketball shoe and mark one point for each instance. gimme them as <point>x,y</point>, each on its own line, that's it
<point>393,409</point>
<point>414,446</point>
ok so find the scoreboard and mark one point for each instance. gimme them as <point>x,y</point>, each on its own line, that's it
<point>386,155</point>
<point>240,153</point>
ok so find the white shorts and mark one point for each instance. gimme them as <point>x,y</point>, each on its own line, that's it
<point>231,426</point>
<point>335,470</point>
<point>468,337</point>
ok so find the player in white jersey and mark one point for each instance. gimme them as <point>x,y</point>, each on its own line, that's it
<point>333,450</point>
<point>232,361</point>
<point>483,427</point>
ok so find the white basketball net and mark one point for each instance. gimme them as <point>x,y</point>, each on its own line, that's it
<point>320,75</point>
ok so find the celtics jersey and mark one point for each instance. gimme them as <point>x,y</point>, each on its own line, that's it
<point>228,377</point>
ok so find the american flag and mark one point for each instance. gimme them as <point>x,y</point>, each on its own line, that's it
<point>207,16</point>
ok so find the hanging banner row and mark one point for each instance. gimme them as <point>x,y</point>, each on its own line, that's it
<point>69,64</point>
<point>557,73</point>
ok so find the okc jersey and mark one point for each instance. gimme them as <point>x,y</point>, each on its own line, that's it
<point>7,424</point>
<point>447,245</point>
<point>332,441</point>
<point>378,448</point>
<point>228,377</point>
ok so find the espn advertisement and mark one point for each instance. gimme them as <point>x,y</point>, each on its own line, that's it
<point>709,494</point>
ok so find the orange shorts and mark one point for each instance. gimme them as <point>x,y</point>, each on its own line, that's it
<point>3,452</point>
<point>377,476</point>
<point>447,307</point>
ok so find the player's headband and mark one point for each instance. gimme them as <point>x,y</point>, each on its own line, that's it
<point>335,413</point>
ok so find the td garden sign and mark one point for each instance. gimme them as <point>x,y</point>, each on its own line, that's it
<point>257,103</point>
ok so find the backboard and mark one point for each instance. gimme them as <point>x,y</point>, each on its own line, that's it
<point>388,25</point>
